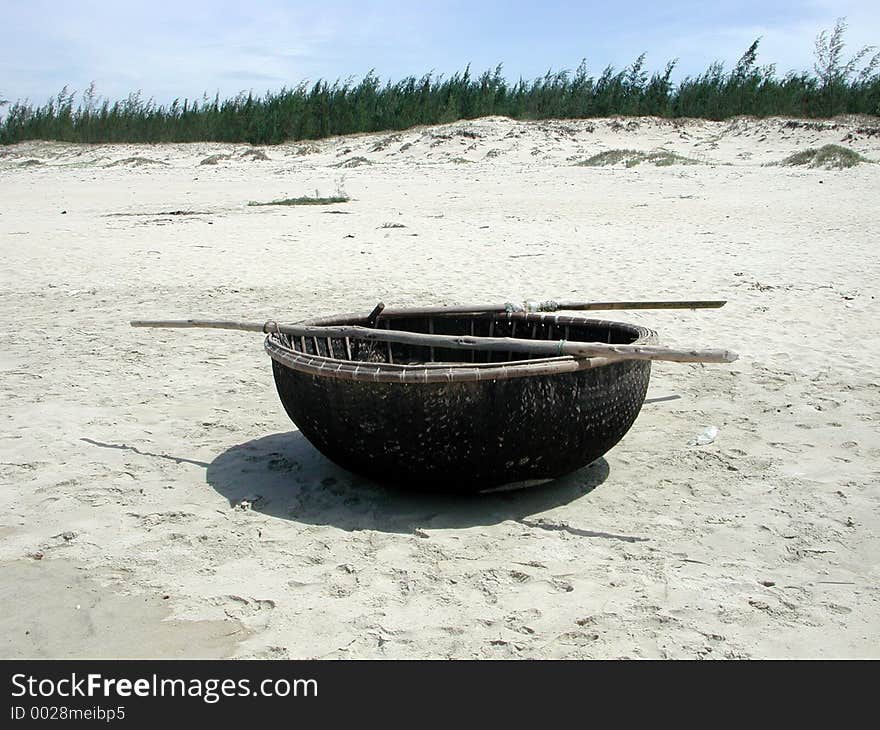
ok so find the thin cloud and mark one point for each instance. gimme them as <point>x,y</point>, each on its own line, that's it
<point>173,50</point>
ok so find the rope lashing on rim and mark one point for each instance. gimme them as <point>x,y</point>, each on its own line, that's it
<point>560,347</point>
<point>529,306</point>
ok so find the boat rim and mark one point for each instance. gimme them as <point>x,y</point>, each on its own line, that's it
<point>439,372</point>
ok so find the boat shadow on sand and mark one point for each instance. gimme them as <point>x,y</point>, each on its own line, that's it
<point>284,476</point>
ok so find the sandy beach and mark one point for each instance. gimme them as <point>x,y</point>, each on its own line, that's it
<point>157,502</point>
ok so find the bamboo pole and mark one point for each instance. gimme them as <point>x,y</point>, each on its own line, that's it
<point>678,304</point>
<point>553,306</point>
<point>543,348</point>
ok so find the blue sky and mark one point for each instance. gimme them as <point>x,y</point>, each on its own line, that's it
<point>182,49</point>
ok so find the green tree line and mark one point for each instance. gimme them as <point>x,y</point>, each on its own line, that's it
<point>835,85</point>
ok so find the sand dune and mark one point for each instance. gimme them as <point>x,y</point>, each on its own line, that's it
<point>156,500</point>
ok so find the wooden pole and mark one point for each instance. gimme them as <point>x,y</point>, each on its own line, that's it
<point>544,348</point>
<point>553,306</point>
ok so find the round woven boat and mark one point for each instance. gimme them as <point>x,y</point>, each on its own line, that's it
<point>431,417</point>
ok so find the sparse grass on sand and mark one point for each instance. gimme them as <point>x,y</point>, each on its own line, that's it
<point>135,162</point>
<point>305,201</point>
<point>255,155</point>
<point>631,158</point>
<point>829,156</point>
<point>215,159</point>
<point>354,162</point>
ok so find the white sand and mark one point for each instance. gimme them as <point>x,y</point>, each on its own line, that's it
<point>139,444</point>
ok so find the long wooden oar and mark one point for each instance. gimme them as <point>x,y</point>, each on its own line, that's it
<point>546,348</point>
<point>551,306</point>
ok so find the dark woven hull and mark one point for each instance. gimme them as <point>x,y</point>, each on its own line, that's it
<point>466,436</point>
